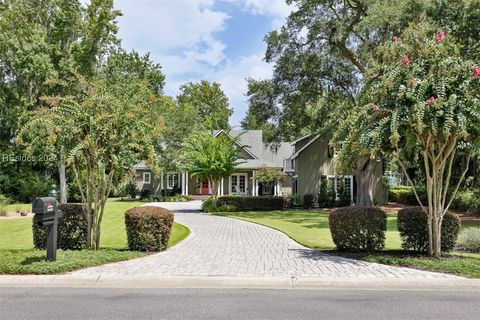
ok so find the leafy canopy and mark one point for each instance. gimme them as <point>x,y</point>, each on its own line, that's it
<point>207,103</point>
<point>211,157</point>
<point>269,176</point>
<point>424,93</point>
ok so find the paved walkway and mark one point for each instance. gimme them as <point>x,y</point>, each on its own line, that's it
<point>219,246</point>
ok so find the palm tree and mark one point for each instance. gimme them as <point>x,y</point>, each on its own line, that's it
<point>211,157</point>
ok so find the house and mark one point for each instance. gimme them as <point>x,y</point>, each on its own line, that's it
<point>254,155</point>
<point>313,160</point>
<point>305,161</point>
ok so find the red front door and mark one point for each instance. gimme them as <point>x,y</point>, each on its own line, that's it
<point>205,189</point>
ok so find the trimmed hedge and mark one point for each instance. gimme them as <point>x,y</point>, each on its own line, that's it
<point>413,227</point>
<point>251,203</point>
<point>405,195</point>
<point>465,200</point>
<point>358,228</point>
<point>72,229</point>
<point>148,228</point>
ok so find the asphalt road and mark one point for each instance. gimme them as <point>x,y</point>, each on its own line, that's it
<point>101,303</point>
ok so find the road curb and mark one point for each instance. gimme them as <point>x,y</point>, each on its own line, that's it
<point>73,281</point>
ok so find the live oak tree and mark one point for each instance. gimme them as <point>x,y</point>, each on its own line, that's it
<point>424,93</point>
<point>211,157</point>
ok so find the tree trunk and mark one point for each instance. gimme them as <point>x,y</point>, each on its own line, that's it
<point>165,181</point>
<point>366,180</point>
<point>214,184</point>
<point>62,176</point>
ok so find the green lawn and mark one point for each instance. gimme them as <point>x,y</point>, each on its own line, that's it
<point>17,255</point>
<point>309,228</point>
<point>30,261</point>
<point>17,233</point>
<point>19,207</point>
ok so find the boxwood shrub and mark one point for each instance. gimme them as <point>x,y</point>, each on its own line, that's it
<point>358,228</point>
<point>413,227</point>
<point>308,200</point>
<point>251,203</point>
<point>405,195</point>
<point>72,229</point>
<point>148,228</point>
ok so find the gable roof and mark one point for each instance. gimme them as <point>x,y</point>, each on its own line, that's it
<point>305,146</point>
<point>302,138</point>
<point>232,135</point>
<point>269,155</point>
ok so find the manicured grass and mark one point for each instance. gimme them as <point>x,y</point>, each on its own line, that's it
<point>466,265</point>
<point>307,227</point>
<point>33,261</point>
<point>179,232</point>
<point>19,206</point>
<point>17,233</point>
<point>17,255</point>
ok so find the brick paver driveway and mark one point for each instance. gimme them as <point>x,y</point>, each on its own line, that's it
<point>219,246</point>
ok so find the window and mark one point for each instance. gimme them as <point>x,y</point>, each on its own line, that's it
<point>348,183</point>
<point>172,180</point>
<point>234,185</point>
<point>238,183</point>
<point>147,178</point>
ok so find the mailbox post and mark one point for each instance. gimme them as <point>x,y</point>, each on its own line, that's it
<point>47,214</point>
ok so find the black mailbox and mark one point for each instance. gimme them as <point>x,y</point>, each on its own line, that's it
<point>45,210</point>
<point>47,214</point>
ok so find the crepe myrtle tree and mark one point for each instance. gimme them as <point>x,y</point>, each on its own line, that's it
<point>106,129</point>
<point>211,157</point>
<point>269,176</point>
<point>427,95</point>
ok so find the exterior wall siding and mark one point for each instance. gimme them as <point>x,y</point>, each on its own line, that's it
<point>310,165</point>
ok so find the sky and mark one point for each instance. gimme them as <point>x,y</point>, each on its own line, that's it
<point>215,40</point>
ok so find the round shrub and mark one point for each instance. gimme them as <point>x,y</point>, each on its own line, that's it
<point>72,229</point>
<point>148,228</point>
<point>413,227</point>
<point>358,228</point>
<point>308,200</point>
<point>469,240</point>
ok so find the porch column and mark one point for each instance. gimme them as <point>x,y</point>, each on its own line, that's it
<point>221,187</point>
<point>186,183</point>
<point>278,189</point>
<point>183,183</point>
<point>254,185</point>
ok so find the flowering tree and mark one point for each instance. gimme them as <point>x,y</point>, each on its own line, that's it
<point>424,94</point>
<point>107,129</point>
<point>269,176</point>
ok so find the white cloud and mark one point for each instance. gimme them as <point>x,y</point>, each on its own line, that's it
<point>185,28</point>
<point>182,35</point>
<point>275,8</point>
<point>232,78</point>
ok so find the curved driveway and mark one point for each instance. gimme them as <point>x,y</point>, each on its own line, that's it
<point>220,246</point>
